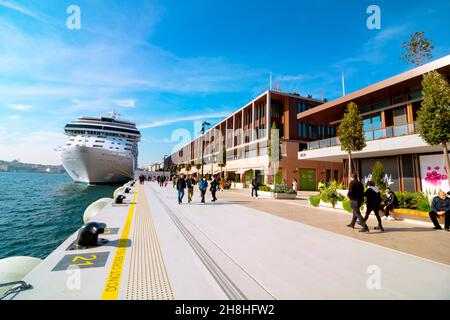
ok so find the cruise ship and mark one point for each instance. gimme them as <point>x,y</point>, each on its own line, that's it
<point>101,150</point>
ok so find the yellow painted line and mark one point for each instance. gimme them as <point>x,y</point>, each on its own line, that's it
<point>112,285</point>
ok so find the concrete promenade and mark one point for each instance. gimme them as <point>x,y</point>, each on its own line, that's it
<point>239,248</point>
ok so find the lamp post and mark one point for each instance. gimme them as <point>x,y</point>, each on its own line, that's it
<point>204,124</point>
<point>164,163</point>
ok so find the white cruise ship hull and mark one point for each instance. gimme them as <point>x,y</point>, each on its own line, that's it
<point>96,165</point>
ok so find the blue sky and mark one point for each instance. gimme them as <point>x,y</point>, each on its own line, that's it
<point>165,64</point>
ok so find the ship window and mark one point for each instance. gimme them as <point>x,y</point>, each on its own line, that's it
<point>97,146</point>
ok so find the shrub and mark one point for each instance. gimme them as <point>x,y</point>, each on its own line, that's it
<point>284,190</point>
<point>314,201</point>
<point>413,200</point>
<point>329,195</point>
<point>378,176</point>
<point>278,179</point>
<point>346,205</point>
<point>264,188</point>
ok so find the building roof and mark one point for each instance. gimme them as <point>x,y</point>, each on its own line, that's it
<point>405,76</point>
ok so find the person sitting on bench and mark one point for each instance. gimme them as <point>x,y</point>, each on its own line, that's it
<point>440,207</point>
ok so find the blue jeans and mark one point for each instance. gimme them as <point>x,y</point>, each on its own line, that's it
<point>180,195</point>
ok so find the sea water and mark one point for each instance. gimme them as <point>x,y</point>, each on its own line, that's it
<point>38,211</point>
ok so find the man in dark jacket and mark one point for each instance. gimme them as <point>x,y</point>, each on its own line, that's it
<point>214,187</point>
<point>181,185</point>
<point>255,186</point>
<point>356,196</point>
<point>373,203</point>
<point>440,207</point>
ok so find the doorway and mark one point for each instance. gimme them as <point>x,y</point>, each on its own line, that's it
<point>307,179</point>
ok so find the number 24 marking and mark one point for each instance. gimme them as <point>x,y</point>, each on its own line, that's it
<point>87,261</point>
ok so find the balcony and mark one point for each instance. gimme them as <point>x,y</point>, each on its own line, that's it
<point>383,133</point>
<point>383,142</point>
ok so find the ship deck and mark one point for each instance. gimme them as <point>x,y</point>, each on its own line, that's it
<point>159,250</point>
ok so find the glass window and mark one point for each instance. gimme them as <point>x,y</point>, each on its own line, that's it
<point>381,105</point>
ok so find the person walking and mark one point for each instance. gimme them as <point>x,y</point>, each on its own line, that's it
<point>174,181</point>
<point>440,207</point>
<point>222,184</point>
<point>214,187</point>
<point>181,186</point>
<point>390,202</point>
<point>190,182</point>
<point>373,203</point>
<point>356,196</point>
<point>294,185</point>
<point>203,186</point>
<point>255,186</point>
<point>321,185</point>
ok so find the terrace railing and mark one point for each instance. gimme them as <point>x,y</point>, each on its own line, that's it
<point>383,133</point>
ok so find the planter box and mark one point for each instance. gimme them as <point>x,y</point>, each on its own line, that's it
<point>271,195</point>
<point>342,192</point>
<point>265,194</point>
<point>284,196</point>
<point>411,212</point>
<point>339,206</point>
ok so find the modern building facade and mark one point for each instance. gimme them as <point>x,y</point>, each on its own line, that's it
<point>239,147</point>
<point>244,144</point>
<point>389,110</point>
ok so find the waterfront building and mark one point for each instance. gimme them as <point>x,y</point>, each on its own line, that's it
<point>238,147</point>
<point>389,110</point>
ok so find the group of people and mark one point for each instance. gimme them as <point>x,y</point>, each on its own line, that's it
<point>182,183</point>
<point>376,203</point>
<point>163,181</point>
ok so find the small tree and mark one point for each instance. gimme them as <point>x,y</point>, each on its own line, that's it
<point>417,50</point>
<point>434,117</point>
<point>378,175</point>
<point>188,167</point>
<point>351,133</point>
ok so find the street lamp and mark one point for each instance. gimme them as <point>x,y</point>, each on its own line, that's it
<point>164,163</point>
<point>204,124</point>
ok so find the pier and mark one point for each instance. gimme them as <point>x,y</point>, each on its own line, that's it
<point>238,249</point>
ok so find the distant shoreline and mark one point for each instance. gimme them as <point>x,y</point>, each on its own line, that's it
<point>17,166</point>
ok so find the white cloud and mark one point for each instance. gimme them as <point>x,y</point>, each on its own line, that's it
<point>166,122</point>
<point>33,147</point>
<point>373,49</point>
<point>14,6</point>
<point>20,107</point>
<point>125,103</point>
